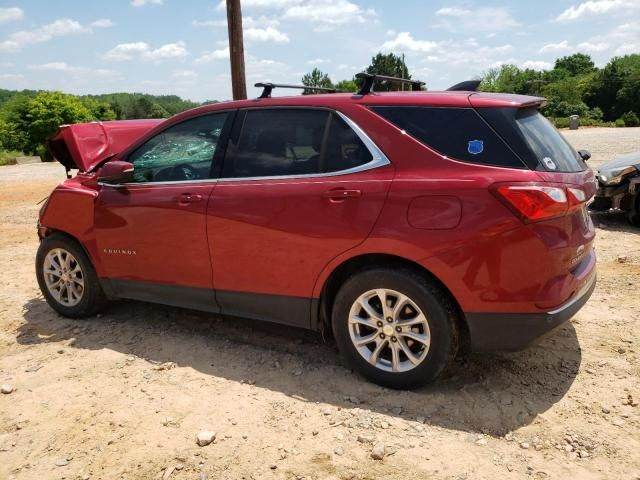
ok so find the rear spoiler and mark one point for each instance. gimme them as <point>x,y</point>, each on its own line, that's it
<point>84,146</point>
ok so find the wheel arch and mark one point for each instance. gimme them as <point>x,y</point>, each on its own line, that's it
<point>372,260</point>
<point>56,231</point>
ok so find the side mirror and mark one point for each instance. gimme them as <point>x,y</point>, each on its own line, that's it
<point>116,171</point>
<point>584,154</point>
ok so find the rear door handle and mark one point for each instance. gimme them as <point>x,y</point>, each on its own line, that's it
<point>340,194</point>
<point>188,198</point>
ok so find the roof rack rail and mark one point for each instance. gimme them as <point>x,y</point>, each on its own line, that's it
<point>268,87</point>
<point>466,86</point>
<point>368,80</point>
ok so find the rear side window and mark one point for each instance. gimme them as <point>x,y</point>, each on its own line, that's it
<point>458,133</point>
<point>280,142</point>
<point>550,148</point>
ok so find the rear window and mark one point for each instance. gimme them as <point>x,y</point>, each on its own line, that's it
<point>550,148</point>
<point>458,133</point>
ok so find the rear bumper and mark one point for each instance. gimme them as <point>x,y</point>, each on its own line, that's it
<point>492,332</point>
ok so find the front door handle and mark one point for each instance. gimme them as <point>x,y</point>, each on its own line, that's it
<point>341,194</point>
<point>188,198</point>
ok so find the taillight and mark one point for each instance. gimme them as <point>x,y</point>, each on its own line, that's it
<point>535,202</point>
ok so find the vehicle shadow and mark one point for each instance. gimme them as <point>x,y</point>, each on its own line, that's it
<point>614,221</point>
<point>491,394</point>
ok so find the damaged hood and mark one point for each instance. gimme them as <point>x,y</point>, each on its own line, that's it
<point>628,160</point>
<point>85,145</point>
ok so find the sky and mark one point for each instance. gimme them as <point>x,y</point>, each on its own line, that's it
<point>181,47</point>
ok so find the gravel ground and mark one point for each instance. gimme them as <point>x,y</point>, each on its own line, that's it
<point>125,394</point>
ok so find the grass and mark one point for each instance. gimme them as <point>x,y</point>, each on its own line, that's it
<point>9,157</point>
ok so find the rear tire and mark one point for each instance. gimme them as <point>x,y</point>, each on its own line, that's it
<point>67,278</point>
<point>404,345</point>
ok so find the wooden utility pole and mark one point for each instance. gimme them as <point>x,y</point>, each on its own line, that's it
<point>236,50</point>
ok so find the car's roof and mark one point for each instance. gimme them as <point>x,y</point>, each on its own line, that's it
<point>335,100</point>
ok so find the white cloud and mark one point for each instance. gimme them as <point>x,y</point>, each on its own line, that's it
<point>142,3</point>
<point>562,46</point>
<point>247,22</point>
<point>71,69</point>
<point>326,14</point>
<point>453,12</point>
<point>318,61</point>
<point>185,74</point>
<point>126,51</point>
<point>261,4</point>
<point>55,66</point>
<point>537,65</point>
<point>329,13</point>
<point>11,14</point>
<point>404,41</point>
<point>142,50</point>
<point>168,51</point>
<point>620,40</point>
<point>207,57</point>
<point>11,76</point>
<point>58,28</point>
<point>593,47</point>
<point>102,23</point>
<point>483,19</point>
<point>269,34</point>
<point>597,7</point>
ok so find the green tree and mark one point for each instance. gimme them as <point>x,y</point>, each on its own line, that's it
<point>348,86</point>
<point>576,64</point>
<point>41,117</point>
<point>316,78</point>
<point>158,112</point>
<point>392,66</point>
<point>616,88</point>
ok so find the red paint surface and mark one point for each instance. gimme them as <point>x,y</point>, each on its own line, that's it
<point>285,237</point>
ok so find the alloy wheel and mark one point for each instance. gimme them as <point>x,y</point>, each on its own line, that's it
<point>63,277</point>
<point>389,330</point>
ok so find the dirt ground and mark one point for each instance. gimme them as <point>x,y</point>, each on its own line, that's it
<point>123,395</point>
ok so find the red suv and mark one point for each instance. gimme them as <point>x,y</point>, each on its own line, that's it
<point>408,224</point>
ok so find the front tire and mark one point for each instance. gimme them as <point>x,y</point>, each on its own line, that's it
<point>395,327</point>
<point>67,278</point>
<point>633,215</point>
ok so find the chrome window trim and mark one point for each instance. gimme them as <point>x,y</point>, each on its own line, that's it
<point>379,159</point>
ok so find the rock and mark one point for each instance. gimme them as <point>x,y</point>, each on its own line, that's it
<point>605,409</point>
<point>396,410</point>
<point>364,439</point>
<point>583,454</point>
<point>524,445</point>
<point>338,451</point>
<point>6,389</point>
<point>623,258</point>
<point>481,441</point>
<point>273,466</point>
<point>421,419</point>
<point>168,472</point>
<point>205,438</point>
<point>62,462</point>
<point>377,452</point>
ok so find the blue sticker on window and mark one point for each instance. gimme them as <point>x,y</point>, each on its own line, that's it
<point>475,147</point>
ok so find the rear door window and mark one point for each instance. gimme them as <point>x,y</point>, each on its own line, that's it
<point>270,142</point>
<point>458,133</point>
